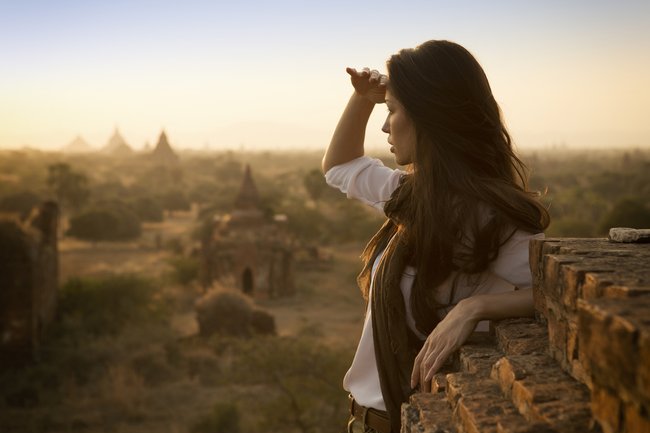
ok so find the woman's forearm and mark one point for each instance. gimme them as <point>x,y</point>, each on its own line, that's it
<point>497,306</point>
<point>349,135</point>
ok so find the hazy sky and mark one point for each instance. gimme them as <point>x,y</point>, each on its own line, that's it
<point>227,74</point>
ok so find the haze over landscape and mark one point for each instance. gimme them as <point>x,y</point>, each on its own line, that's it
<point>269,75</point>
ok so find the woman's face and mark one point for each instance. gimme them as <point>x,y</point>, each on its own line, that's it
<point>400,130</point>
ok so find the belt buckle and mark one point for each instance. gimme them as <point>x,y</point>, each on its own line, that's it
<point>362,419</point>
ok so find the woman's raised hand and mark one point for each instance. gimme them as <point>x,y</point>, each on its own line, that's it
<point>369,83</point>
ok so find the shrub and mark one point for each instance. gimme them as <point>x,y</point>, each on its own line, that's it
<point>263,322</point>
<point>301,376</point>
<point>174,245</point>
<point>105,305</point>
<point>184,269</point>
<point>226,312</point>
<point>231,313</point>
<point>152,367</point>
<point>223,419</point>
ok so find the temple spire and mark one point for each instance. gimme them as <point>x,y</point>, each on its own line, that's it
<point>248,197</point>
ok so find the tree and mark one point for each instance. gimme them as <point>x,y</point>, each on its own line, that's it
<point>315,184</point>
<point>627,213</point>
<point>70,188</point>
<point>148,209</point>
<point>175,200</point>
<point>116,224</point>
<point>20,202</point>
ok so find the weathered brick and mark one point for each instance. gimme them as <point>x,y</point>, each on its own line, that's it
<point>594,285</point>
<point>574,364</point>
<point>626,291</point>
<point>568,416</point>
<point>517,424</point>
<point>609,343</point>
<point>539,302</point>
<point>635,420</point>
<point>481,413</point>
<point>572,279</point>
<point>478,404</point>
<point>439,382</point>
<point>572,340</point>
<point>535,254</point>
<point>459,383</point>
<point>521,336</point>
<point>557,330</point>
<point>478,359</point>
<point>505,372</point>
<point>643,367</point>
<point>427,413</point>
<point>552,284</point>
<point>542,392</point>
<point>607,409</point>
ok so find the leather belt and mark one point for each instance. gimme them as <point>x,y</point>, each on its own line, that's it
<point>375,419</point>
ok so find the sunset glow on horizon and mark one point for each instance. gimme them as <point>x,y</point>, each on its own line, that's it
<point>226,75</point>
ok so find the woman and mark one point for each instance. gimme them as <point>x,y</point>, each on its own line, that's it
<point>454,249</point>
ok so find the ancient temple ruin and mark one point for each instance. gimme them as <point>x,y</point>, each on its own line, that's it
<point>249,249</point>
<point>28,282</point>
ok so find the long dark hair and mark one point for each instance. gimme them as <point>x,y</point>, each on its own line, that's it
<point>467,192</point>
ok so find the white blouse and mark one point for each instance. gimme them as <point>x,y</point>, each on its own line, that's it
<point>368,180</point>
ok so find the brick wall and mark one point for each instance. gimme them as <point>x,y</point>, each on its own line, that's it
<point>581,365</point>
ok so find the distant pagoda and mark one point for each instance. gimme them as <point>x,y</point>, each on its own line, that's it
<point>78,145</point>
<point>248,198</point>
<point>117,145</point>
<point>163,152</point>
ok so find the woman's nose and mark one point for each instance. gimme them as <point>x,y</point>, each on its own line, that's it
<point>386,127</point>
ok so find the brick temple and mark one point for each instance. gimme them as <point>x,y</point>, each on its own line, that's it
<point>249,249</point>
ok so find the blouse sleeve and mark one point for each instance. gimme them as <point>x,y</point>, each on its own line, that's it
<point>365,179</point>
<point>513,263</point>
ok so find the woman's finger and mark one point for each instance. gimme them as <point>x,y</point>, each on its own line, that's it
<point>415,373</point>
<point>437,364</point>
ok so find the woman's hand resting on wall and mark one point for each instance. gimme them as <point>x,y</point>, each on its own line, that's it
<point>445,339</point>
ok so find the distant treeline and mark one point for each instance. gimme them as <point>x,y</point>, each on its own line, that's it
<point>587,191</point>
